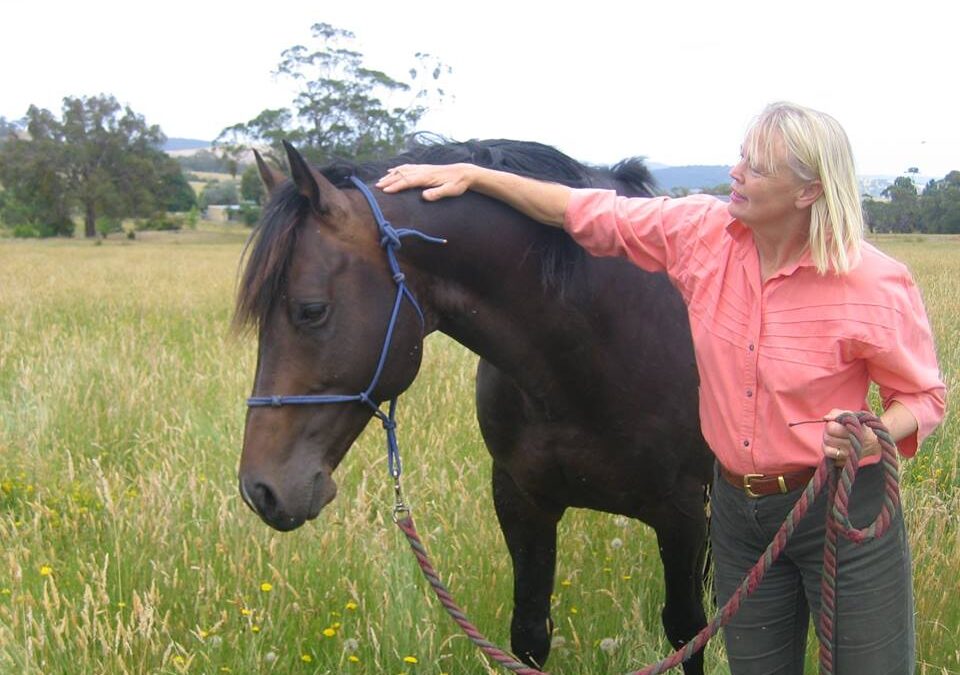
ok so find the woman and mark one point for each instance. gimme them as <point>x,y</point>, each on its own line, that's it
<point>792,315</point>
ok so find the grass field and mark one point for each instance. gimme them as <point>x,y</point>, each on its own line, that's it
<point>126,548</point>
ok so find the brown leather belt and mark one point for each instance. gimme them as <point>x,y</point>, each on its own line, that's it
<point>762,485</point>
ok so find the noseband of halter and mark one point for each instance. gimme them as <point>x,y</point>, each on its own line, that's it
<point>390,241</point>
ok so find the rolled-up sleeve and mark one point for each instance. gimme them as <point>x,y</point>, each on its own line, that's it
<point>906,369</point>
<point>656,234</point>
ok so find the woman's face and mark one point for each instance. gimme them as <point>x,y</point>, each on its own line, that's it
<point>765,196</point>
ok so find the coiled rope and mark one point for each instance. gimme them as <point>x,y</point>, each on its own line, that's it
<point>839,482</point>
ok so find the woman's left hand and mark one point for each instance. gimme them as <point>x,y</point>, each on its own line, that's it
<point>836,440</point>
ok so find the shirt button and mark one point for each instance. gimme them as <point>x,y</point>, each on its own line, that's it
<point>746,444</point>
<point>751,348</point>
<point>749,393</point>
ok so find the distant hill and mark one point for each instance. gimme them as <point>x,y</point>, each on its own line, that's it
<point>691,177</point>
<point>179,144</point>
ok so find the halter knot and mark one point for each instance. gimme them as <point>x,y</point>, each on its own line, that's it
<point>390,237</point>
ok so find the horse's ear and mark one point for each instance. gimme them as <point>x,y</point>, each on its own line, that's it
<point>271,177</point>
<point>322,194</point>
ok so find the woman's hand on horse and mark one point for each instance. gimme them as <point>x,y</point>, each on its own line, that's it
<point>441,180</point>
<point>836,439</point>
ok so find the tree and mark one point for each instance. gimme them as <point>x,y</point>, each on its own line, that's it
<point>935,210</point>
<point>902,212</point>
<point>342,109</point>
<point>100,158</point>
<point>939,206</point>
<point>251,187</point>
<point>35,198</point>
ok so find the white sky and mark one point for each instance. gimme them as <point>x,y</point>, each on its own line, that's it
<point>676,81</point>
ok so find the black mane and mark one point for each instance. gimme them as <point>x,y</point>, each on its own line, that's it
<point>272,242</point>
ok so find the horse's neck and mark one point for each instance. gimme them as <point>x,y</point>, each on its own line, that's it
<point>484,289</point>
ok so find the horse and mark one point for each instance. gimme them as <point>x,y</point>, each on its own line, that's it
<point>586,388</point>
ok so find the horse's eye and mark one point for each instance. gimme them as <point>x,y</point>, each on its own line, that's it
<point>312,314</point>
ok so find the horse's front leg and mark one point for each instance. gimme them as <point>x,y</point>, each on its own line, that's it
<point>531,536</point>
<point>681,534</point>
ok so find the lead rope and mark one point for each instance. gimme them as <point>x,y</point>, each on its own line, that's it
<point>840,483</point>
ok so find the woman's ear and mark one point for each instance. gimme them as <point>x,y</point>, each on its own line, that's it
<point>809,193</point>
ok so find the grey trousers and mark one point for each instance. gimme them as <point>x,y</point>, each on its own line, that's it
<point>874,631</point>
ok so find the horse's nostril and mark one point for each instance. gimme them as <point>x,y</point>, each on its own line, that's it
<point>264,497</point>
<point>259,497</point>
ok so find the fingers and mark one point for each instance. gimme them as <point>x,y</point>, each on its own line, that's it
<point>440,180</point>
<point>838,456</point>
<point>395,179</point>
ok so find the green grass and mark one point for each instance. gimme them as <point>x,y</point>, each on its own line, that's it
<point>126,548</point>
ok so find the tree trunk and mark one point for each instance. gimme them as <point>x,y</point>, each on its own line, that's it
<point>90,221</point>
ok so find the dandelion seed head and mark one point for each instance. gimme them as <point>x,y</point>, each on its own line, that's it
<point>270,657</point>
<point>351,644</point>
<point>609,645</point>
<point>616,543</point>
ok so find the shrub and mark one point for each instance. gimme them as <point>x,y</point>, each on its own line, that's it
<point>160,222</point>
<point>108,225</point>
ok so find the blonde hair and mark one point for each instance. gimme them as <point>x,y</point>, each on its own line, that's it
<point>817,150</point>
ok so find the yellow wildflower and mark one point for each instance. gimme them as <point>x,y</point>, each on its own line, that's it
<point>410,659</point>
<point>353,658</point>
<point>46,570</point>
<point>306,658</point>
<point>266,587</point>
<point>329,632</point>
<point>352,606</point>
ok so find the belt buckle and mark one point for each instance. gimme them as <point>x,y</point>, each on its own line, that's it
<point>747,477</point>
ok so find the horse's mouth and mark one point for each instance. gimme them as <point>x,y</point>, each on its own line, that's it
<point>324,492</point>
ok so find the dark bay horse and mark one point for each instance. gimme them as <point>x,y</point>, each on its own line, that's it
<point>586,388</point>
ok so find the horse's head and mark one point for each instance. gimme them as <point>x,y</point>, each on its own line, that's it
<point>318,287</point>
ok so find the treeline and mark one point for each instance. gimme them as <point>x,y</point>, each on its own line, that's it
<point>98,160</point>
<point>102,162</point>
<point>936,210</point>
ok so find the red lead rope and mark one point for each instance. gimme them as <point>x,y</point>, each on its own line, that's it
<point>839,482</point>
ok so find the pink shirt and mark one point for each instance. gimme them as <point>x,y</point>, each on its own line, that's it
<point>785,350</point>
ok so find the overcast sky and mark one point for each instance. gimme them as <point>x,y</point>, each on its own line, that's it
<point>676,81</point>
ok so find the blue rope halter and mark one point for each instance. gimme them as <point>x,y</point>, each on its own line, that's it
<point>390,241</point>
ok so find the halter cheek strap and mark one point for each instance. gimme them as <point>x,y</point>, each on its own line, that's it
<point>390,241</point>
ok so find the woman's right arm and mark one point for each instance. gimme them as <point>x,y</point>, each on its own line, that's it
<point>543,201</point>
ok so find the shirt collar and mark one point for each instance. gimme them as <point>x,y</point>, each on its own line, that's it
<point>743,246</point>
